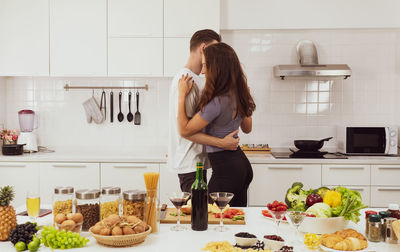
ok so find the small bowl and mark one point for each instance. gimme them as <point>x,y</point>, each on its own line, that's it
<point>245,242</point>
<point>323,225</point>
<point>76,229</point>
<point>273,245</point>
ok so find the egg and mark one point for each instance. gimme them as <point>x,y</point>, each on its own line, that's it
<point>128,231</point>
<point>116,231</point>
<point>60,218</point>
<point>68,225</point>
<point>105,231</point>
<point>138,229</point>
<point>78,218</point>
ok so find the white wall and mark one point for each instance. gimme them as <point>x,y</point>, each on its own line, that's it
<point>286,110</point>
<point>2,101</point>
<point>309,14</point>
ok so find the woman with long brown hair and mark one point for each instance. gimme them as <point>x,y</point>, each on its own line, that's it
<point>225,105</point>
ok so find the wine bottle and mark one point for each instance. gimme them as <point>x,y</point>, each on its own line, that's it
<point>199,201</point>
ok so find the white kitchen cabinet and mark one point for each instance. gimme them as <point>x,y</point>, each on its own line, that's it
<point>135,57</point>
<point>387,175</point>
<point>344,174</point>
<point>78,37</point>
<point>176,54</point>
<point>77,175</point>
<point>182,19</point>
<point>365,192</point>
<point>128,176</point>
<point>22,176</point>
<point>135,18</point>
<point>271,181</point>
<point>381,196</point>
<point>24,38</point>
<point>169,182</point>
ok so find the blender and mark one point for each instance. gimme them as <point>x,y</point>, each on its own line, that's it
<point>27,125</point>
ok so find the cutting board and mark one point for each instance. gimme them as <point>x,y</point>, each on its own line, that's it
<point>169,219</point>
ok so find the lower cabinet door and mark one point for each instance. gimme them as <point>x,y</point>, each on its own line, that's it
<point>77,175</point>
<point>365,192</point>
<point>271,181</point>
<point>22,176</point>
<point>381,196</point>
<point>128,176</point>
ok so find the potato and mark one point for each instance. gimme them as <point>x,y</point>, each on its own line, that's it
<point>96,229</point>
<point>60,218</point>
<point>116,231</point>
<point>132,219</point>
<point>112,220</point>
<point>78,218</point>
<point>69,216</point>
<point>138,229</point>
<point>128,231</point>
<point>105,231</point>
<point>68,225</point>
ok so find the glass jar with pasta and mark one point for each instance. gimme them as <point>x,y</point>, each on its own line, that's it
<point>62,200</point>
<point>134,203</point>
<point>109,201</point>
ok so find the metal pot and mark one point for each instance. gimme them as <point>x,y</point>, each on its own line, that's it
<point>310,145</point>
<point>12,149</point>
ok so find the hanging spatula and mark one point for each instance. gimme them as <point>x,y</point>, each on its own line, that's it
<point>137,114</point>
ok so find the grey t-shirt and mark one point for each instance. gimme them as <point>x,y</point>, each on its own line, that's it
<point>219,112</point>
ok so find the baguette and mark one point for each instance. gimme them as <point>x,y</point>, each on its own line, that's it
<point>396,228</point>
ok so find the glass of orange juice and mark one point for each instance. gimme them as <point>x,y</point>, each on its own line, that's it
<point>33,204</point>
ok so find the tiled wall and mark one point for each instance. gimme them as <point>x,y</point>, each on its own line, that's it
<point>286,110</point>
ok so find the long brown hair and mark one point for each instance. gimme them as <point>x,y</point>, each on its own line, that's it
<point>225,76</point>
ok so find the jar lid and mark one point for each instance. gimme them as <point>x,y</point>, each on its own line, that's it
<point>384,214</point>
<point>134,195</point>
<point>374,218</point>
<point>63,190</point>
<point>368,213</point>
<point>87,194</point>
<point>111,190</point>
<point>394,207</point>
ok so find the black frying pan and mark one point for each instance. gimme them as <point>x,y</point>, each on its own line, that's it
<point>310,145</point>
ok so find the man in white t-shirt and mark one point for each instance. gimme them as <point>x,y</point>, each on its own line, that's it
<point>184,153</point>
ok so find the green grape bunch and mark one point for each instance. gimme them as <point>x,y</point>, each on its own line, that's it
<point>55,239</point>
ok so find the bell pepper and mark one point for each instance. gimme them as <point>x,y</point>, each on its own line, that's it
<point>332,198</point>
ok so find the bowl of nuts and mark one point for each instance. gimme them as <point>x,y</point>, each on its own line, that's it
<point>69,222</point>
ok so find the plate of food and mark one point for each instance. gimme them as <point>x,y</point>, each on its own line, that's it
<point>268,215</point>
<point>344,240</point>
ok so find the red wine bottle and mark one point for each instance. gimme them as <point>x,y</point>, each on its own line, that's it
<point>199,201</point>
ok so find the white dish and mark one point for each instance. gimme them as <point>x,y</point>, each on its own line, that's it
<point>245,242</point>
<point>273,245</point>
<point>334,250</point>
<point>323,225</point>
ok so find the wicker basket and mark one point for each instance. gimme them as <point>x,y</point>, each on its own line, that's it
<point>121,240</point>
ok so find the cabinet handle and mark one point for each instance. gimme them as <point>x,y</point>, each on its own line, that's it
<point>356,188</point>
<point>285,168</point>
<point>389,189</point>
<point>346,168</point>
<point>12,166</point>
<point>130,166</point>
<point>389,168</point>
<point>69,166</point>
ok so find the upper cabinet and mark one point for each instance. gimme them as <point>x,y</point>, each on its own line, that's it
<point>24,38</point>
<point>135,18</point>
<point>78,37</point>
<point>182,19</point>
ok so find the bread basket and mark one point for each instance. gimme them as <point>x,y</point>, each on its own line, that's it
<point>121,240</point>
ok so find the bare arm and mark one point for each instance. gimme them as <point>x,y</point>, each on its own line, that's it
<point>246,125</point>
<point>229,142</point>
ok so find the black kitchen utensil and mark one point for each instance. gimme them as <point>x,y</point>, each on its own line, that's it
<point>130,115</point>
<point>111,106</point>
<point>137,114</point>
<point>120,115</point>
<point>310,145</point>
<point>13,149</point>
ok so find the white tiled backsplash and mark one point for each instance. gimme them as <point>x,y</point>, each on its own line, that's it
<point>286,110</point>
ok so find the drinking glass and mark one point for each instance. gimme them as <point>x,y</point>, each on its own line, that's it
<point>278,216</point>
<point>179,199</point>
<point>221,199</point>
<point>295,218</point>
<point>33,204</point>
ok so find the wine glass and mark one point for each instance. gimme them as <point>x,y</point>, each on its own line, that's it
<point>179,199</point>
<point>295,218</point>
<point>278,216</point>
<point>33,204</point>
<point>221,199</point>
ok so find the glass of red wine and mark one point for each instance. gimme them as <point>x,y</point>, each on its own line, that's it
<point>178,199</point>
<point>221,199</point>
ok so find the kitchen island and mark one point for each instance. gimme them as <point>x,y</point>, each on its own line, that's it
<point>166,240</point>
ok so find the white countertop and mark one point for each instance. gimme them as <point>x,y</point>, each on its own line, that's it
<point>166,240</point>
<point>159,155</point>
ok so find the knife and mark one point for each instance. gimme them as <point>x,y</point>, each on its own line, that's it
<point>163,211</point>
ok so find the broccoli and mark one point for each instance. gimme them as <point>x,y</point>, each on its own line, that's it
<point>296,197</point>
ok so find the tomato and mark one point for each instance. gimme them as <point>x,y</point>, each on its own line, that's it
<point>230,213</point>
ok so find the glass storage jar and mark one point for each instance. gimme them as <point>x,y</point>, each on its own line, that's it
<point>134,203</point>
<point>62,200</point>
<point>88,204</point>
<point>375,228</point>
<point>109,201</point>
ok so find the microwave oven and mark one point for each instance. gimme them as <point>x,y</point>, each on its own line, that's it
<point>367,140</point>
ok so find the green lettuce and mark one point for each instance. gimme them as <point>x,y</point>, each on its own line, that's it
<point>320,210</point>
<point>350,206</point>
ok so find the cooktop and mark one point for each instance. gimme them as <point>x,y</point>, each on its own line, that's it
<point>286,155</point>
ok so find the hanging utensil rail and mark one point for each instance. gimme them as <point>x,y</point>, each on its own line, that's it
<point>68,87</point>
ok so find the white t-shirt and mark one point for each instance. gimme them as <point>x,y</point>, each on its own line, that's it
<point>182,153</point>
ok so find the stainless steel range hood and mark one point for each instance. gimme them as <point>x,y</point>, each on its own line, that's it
<point>309,66</point>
